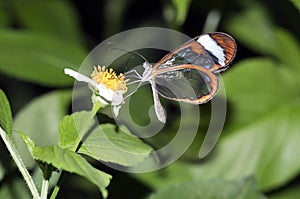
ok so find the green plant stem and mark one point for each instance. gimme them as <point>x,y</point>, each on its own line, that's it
<point>16,157</point>
<point>83,131</point>
<point>75,148</point>
<point>44,191</point>
<point>58,185</point>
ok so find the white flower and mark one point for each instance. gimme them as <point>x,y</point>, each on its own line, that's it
<point>108,87</point>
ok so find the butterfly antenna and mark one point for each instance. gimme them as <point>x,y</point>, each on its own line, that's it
<point>125,49</point>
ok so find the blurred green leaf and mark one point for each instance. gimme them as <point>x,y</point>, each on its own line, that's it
<point>168,176</point>
<point>288,48</point>
<point>290,192</point>
<point>182,8</point>
<point>254,29</point>
<point>296,3</point>
<point>14,188</point>
<point>2,171</point>
<point>56,18</point>
<point>4,20</point>
<point>40,119</point>
<point>109,144</point>
<point>113,22</point>
<point>201,189</point>
<point>258,90</point>
<point>73,163</point>
<point>255,88</point>
<point>38,58</point>
<point>5,114</point>
<point>268,148</point>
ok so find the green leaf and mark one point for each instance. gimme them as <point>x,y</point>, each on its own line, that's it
<point>58,18</point>
<point>2,171</point>
<point>201,189</point>
<point>296,3</point>
<point>44,60</point>
<point>73,163</point>
<point>5,114</point>
<point>274,38</point>
<point>267,148</point>
<point>71,126</point>
<point>289,192</point>
<point>40,119</point>
<point>241,27</point>
<point>285,40</point>
<point>28,142</point>
<point>108,144</point>
<point>182,8</point>
<point>4,19</point>
<point>14,188</point>
<point>262,115</point>
<point>112,25</point>
<point>254,88</point>
<point>168,176</point>
<point>67,132</point>
<point>46,168</point>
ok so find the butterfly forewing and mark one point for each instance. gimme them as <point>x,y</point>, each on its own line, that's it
<point>189,53</point>
<point>227,44</point>
<point>213,51</point>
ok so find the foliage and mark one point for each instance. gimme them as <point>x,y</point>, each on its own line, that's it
<point>5,114</point>
<point>244,188</point>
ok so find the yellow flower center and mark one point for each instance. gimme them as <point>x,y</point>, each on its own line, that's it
<point>109,78</point>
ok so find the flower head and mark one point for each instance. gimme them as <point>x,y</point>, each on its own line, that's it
<point>108,87</point>
<point>108,77</point>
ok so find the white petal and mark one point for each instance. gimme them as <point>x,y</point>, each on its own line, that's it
<point>102,101</point>
<point>117,98</point>
<point>117,102</point>
<point>79,77</point>
<point>104,92</point>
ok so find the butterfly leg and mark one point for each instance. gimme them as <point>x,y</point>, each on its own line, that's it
<point>159,110</point>
<point>134,74</point>
<point>135,90</point>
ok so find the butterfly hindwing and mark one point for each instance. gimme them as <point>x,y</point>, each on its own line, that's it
<point>187,83</point>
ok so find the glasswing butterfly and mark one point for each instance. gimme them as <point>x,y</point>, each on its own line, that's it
<point>190,72</point>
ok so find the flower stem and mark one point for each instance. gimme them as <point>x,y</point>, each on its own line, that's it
<point>84,129</point>
<point>44,191</point>
<point>16,157</point>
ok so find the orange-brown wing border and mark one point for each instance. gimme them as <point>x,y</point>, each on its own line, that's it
<point>223,40</point>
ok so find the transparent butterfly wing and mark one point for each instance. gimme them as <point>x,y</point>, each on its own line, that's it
<point>188,83</point>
